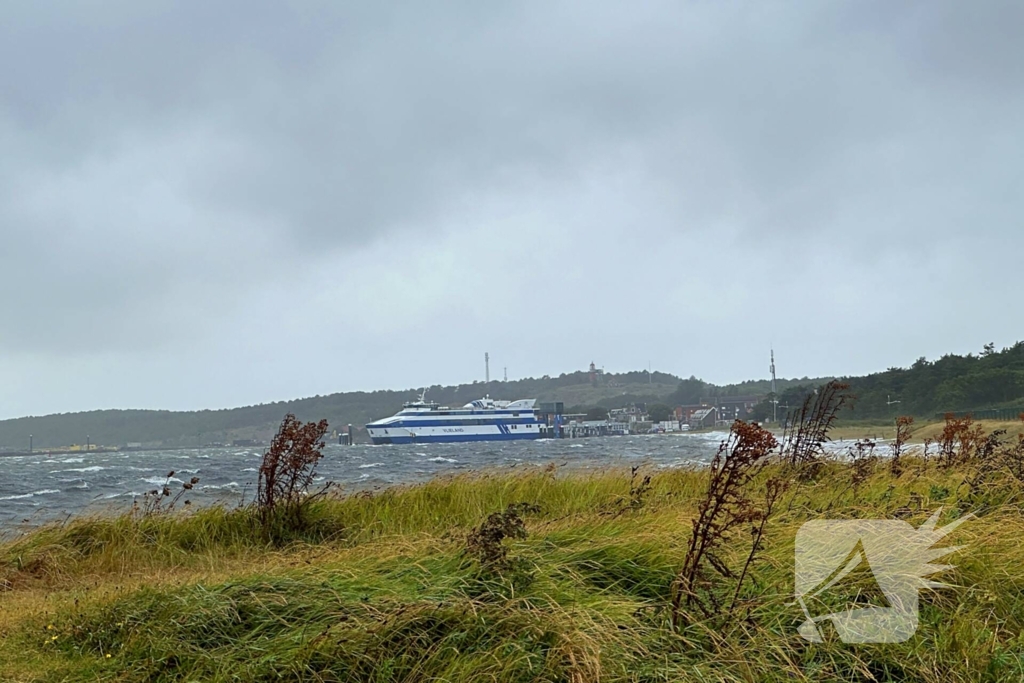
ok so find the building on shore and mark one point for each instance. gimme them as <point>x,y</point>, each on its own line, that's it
<point>633,413</point>
<point>733,407</point>
<point>704,418</point>
<point>684,413</point>
<point>582,428</point>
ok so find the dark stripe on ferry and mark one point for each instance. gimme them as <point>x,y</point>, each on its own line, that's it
<point>451,438</point>
<point>493,413</point>
<point>405,422</point>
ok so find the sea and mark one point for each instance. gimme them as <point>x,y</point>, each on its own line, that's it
<point>39,489</point>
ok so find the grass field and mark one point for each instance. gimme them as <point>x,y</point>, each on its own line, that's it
<point>380,588</point>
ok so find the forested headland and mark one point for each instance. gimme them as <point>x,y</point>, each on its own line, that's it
<point>987,384</point>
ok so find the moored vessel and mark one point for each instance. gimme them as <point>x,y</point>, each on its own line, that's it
<point>480,420</point>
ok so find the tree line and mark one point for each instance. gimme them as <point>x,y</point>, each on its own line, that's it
<point>975,383</point>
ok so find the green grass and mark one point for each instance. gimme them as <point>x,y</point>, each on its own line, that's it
<point>379,588</point>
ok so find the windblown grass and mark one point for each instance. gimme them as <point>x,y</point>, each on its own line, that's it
<point>379,588</point>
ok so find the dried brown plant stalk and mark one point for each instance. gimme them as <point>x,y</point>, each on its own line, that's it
<point>486,542</point>
<point>153,501</point>
<point>774,488</point>
<point>289,469</point>
<point>725,507</point>
<point>806,433</point>
<point>862,462</point>
<point>960,440</point>
<point>903,426</point>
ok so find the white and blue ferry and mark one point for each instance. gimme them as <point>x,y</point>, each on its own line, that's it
<point>482,420</point>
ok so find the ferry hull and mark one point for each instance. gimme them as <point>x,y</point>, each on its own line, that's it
<point>450,438</point>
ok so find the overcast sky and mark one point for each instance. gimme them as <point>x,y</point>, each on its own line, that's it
<point>224,203</point>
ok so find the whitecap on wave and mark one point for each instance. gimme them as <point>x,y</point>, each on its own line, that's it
<point>131,494</point>
<point>30,495</point>
<point>215,487</point>
<point>160,481</point>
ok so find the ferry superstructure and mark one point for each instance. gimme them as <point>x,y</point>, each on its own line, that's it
<point>481,420</point>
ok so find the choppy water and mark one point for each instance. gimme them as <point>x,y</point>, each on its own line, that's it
<point>38,488</point>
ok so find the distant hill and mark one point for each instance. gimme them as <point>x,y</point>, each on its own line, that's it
<point>191,428</point>
<point>988,381</point>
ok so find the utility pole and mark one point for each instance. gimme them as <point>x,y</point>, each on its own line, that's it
<point>786,408</point>
<point>775,395</point>
<point>890,402</point>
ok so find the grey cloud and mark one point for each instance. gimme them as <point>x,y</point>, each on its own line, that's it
<point>165,165</point>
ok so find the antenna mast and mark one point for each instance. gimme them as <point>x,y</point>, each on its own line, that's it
<point>775,396</point>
